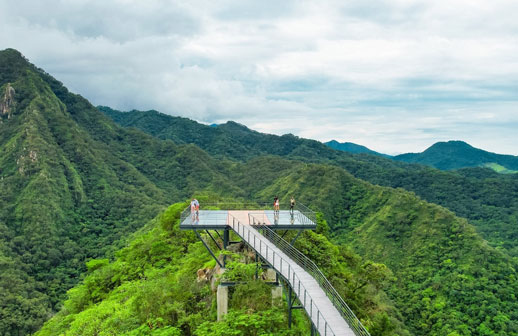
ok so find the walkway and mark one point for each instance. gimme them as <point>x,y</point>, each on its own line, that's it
<point>319,308</point>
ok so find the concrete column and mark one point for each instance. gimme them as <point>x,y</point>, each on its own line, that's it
<point>222,301</point>
<point>276,295</point>
<point>271,276</point>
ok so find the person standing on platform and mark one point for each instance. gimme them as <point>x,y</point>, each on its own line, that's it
<point>195,208</point>
<point>292,204</point>
<point>197,204</point>
<point>276,204</point>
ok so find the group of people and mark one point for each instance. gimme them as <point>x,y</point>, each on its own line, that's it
<point>276,204</point>
<point>195,207</point>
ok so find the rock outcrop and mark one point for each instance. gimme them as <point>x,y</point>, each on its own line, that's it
<point>7,101</point>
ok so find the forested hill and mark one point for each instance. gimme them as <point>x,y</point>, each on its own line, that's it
<point>442,266</point>
<point>75,186</point>
<point>152,288</point>
<point>458,154</point>
<point>229,140</point>
<point>352,148</point>
<point>72,183</point>
<point>487,199</point>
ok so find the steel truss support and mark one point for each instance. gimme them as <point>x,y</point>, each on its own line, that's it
<point>208,249</point>
<point>214,240</point>
<point>226,243</point>
<point>295,238</point>
<point>291,304</point>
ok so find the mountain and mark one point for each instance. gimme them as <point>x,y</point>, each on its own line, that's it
<point>73,183</point>
<point>230,140</point>
<point>458,154</point>
<point>442,267</point>
<point>75,187</point>
<point>439,269</point>
<point>489,200</point>
<point>152,288</point>
<point>352,148</point>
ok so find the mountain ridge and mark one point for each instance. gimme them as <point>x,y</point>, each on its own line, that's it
<point>72,184</point>
<point>468,191</point>
<point>456,154</point>
<point>353,148</point>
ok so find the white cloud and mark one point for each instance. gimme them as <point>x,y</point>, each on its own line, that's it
<point>395,76</point>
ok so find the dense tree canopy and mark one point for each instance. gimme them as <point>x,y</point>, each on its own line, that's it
<point>75,186</point>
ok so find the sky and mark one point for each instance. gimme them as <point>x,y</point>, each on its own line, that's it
<point>395,76</point>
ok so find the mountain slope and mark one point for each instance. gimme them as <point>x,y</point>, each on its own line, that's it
<point>72,177</point>
<point>488,200</point>
<point>458,154</point>
<point>72,183</point>
<point>352,148</point>
<point>152,289</point>
<point>448,280</point>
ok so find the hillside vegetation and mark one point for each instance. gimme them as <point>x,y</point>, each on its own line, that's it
<point>488,200</point>
<point>458,154</point>
<point>72,183</point>
<point>352,148</point>
<point>75,187</point>
<point>448,280</point>
<point>152,289</point>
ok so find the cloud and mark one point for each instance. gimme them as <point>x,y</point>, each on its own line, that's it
<point>393,75</point>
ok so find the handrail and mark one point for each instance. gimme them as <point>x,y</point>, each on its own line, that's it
<point>286,272</point>
<point>309,266</point>
<point>306,212</point>
<point>303,213</point>
<point>185,214</point>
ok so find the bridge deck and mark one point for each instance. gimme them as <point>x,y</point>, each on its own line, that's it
<point>319,308</point>
<point>218,219</point>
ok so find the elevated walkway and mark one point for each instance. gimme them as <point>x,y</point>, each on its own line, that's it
<point>327,311</point>
<point>324,315</point>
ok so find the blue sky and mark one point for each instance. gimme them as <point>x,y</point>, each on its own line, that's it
<point>395,76</point>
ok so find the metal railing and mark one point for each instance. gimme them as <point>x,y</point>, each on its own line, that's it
<point>301,214</point>
<point>283,266</point>
<point>309,266</point>
<point>306,213</point>
<point>186,213</point>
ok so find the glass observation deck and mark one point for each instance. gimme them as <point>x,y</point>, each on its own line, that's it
<point>217,216</point>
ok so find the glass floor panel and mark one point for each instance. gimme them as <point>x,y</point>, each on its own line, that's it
<point>218,219</point>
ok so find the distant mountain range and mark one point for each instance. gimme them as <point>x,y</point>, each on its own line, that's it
<point>448,155</point>
<point>458,154</point>
<point>353,148</point>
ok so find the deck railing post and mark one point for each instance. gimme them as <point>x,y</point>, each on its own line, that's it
<point>325,329</point>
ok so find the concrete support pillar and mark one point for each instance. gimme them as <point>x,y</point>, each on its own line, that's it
<point>277,295</point>
<point>271,276</point>
<point>222,301</point>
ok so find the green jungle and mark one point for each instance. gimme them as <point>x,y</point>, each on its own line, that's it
<point>90,202</point>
